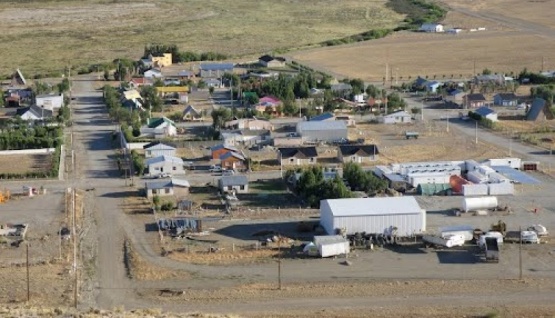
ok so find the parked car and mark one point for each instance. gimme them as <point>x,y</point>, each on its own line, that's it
<point>215,168</point>
<point>164,175</point>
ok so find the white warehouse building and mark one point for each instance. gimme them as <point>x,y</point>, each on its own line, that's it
<point>373,215</point>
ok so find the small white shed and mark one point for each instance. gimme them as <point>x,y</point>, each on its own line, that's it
<point>431,27</point>
<point>331,245</point>
<point>397,118</point>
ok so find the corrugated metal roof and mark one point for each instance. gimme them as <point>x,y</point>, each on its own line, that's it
<point>321,125</point>
<point>180,182</point>
<point>373,206</point>
<point>164,158</point>
<point>515,175</point>
<point>158,184</point>
<point>216,66</point>
<point>233,181</point>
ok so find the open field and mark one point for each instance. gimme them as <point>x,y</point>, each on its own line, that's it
<point>433,55</point>
<point>25,163</point>
<point>77,32</point>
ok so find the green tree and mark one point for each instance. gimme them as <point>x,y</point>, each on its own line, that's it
<point>373,91</point>
<point>486,71</point>
<point>106,75</point>
<point>63,86</point>
<point>290,107</point>
<point>211,90</point>
<point>358,86</point>
<point>201,84</point>
<point>219,117</point>
<point>252,99</point>
<point>151,100</point>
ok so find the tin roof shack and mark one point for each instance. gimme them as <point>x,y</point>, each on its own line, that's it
<point>14,232</point>
<point>373,215</point>
<point>332,245</point>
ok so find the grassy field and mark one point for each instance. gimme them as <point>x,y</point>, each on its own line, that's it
<point>39,36</point>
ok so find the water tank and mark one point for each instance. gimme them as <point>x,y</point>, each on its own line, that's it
<point>479,203</point>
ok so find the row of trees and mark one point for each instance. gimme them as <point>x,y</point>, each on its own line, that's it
<point>546,92</point>
<point>313,187</point>
<point>17,134</point>
<point>186,56</point>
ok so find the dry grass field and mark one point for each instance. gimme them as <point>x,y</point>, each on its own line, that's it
<point>414,54</point>
<point>44,35</point>
<point>509,44</point>
<point>25,163</point>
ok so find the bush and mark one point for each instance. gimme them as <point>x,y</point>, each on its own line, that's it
<point>167,206</point>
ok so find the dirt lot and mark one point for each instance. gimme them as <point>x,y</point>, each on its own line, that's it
<point>63,29</point>
<point>25,163</point>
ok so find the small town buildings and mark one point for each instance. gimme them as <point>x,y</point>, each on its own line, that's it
<point>215,70</point>
<point>191,114</point>
<point>342,88</point>
<point>455,96</point>
<point>159,127</point>
<point>153,73</point>
<point>138,82</point>
<point>539,111</point>
<point>400,117</point>
<point>157,149</point>
<point>270,61</point>
<point>357,153</point>
<point>297,156</point>
<point>180,187</point>
<point>236,184</point>
<point>219,150</point>
<point>164,164</point>
<point>185,75</point>
<point>245,137</point>
<point>34,112</point>
<point>233,161</point>
<point>50,101</point>
<point>496,79</point>
<point>432,86</point>
<point>322,130</point>
<point>505,99</point>
<point>486,112</point>
<point>172,91</point>
<point>347,119</point>
<point>373,216</point>
<point>474,100</point>
<point>249,124</point>
<point>159,188</point>
<point>431,27</point>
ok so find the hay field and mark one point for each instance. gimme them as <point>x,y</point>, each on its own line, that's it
<point>44,35</point>
<point>25,163</point>
<point>414,54</point>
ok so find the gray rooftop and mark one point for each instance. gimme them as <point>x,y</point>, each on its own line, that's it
<point>233,181</point>
<point>373,206</point>
<point>321,125</point>
<point>151,185</point>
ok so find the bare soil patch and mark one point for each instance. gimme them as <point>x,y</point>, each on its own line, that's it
<point>25,163</point>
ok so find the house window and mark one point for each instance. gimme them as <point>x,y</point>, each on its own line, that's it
<point>292,160</point>
<point>174,168</point>
<point>242,187</point>
<point>312,159</point>
<point>167,190</point>
<point>157,168</point>
<point>229,188</point>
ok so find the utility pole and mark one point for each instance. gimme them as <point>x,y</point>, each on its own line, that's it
<point>476,133</point>
<point>279,263</point>
<point>74,234</point>
<point>28,280</point>
<point>520,254</point>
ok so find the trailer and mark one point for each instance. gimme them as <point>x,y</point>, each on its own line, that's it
<point>448,241</point>
<point>467,231</point>
<point>411,134</point>
<point>492,250</point>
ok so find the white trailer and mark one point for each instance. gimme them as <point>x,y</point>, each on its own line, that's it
<point>503,188</point>
<point>474,189</point>
<point>449,241</point>
<point>479,203</point>
<point>467,231</point>
<point>476,177</point>
<point>514,163</point>
<point>332,245</point>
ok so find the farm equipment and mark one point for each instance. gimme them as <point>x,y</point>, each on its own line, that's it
<point>500,227</point>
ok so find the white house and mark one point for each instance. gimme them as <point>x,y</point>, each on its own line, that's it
<point>50,101</point>
<point>156,149</point>
<point>153,73</point>
<point>237,184</point>
<point>399,117</point>
<point>160,127</point>
<point>431,27</point>
<point>164,164</point>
